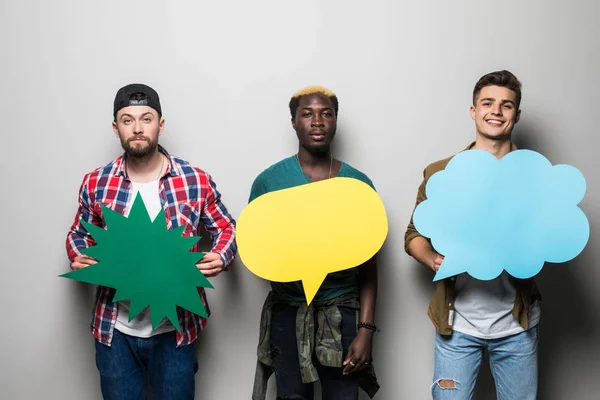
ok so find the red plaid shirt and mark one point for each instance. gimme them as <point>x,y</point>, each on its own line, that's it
<point>188,196</point>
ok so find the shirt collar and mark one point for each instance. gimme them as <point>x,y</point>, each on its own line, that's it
<point>513,146</point>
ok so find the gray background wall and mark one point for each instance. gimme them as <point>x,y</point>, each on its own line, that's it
<point>403,71</point>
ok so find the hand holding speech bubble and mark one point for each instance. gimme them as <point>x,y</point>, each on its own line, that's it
<point>305,232</point>
<point>146,263</point>
<point>487,215</point>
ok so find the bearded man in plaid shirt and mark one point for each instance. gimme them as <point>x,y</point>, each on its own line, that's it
<point>130,353</point>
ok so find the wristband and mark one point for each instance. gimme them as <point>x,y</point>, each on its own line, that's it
<point>366,325</point>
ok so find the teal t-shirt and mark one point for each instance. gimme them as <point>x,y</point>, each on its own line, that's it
<point>285,174</point>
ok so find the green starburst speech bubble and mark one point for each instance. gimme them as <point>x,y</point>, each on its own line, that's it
<point>146,263</point>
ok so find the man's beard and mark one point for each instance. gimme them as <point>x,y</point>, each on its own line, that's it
<point>139,151</point>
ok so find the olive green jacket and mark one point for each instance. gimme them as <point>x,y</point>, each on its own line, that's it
<point>322,339</point>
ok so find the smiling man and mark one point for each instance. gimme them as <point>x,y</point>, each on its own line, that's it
<point>129,353</point>
<point>470,316</point>
<point>331,339</point>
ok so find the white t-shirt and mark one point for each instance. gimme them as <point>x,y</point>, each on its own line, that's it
<point>484,308</point>
<point>141,325</point>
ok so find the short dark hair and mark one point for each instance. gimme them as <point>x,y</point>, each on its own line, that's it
<point>502,78</point>
<point>295,100</point>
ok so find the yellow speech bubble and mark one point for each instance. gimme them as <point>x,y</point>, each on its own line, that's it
<point>305,232</point>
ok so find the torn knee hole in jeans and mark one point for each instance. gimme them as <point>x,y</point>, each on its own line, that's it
<point>446,383</point>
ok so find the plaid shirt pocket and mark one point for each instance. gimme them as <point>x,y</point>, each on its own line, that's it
<point>188,214</point>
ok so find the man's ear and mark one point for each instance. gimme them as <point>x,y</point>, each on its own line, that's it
<point>472,112</point>
<point>294,123</point>
<point>115,128</point>
<point>161,126</point>
<point>518,116</point>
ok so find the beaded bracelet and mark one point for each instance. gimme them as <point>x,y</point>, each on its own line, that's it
<point>366,325</point>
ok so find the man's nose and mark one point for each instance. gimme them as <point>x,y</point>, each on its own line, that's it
<point>497,109</point>
<point>138,127</point>
<point>317,120</point>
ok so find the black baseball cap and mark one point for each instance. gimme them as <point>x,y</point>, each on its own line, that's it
<point>123,98</point>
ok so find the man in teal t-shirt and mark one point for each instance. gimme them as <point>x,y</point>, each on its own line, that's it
<point>285,174</point>
<point>331,339</point>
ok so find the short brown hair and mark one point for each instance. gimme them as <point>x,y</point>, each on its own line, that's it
<point>502,78</point>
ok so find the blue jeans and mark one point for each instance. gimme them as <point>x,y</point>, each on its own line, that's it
<point>286,364</point>
<point>130,362</point>
<point>513,362</point>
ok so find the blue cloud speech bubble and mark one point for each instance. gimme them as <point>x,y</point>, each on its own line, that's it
<point>487,215</point>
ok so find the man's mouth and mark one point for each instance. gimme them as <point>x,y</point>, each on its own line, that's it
<point>494,122</point>
<point>318,136</point>
<point>138,139</point>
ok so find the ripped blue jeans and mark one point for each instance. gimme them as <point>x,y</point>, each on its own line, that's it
<point>513,362</point>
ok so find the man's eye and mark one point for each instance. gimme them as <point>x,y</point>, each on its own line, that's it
<point>147,120</point>
<point>327,114</point>
<point>126,121</point>
<point>508,106</point>
<point>307,114</point>
<point>487,104</point>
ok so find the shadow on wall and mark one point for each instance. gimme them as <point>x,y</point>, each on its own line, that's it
<point>566,323</point>
<point>82,306</point>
